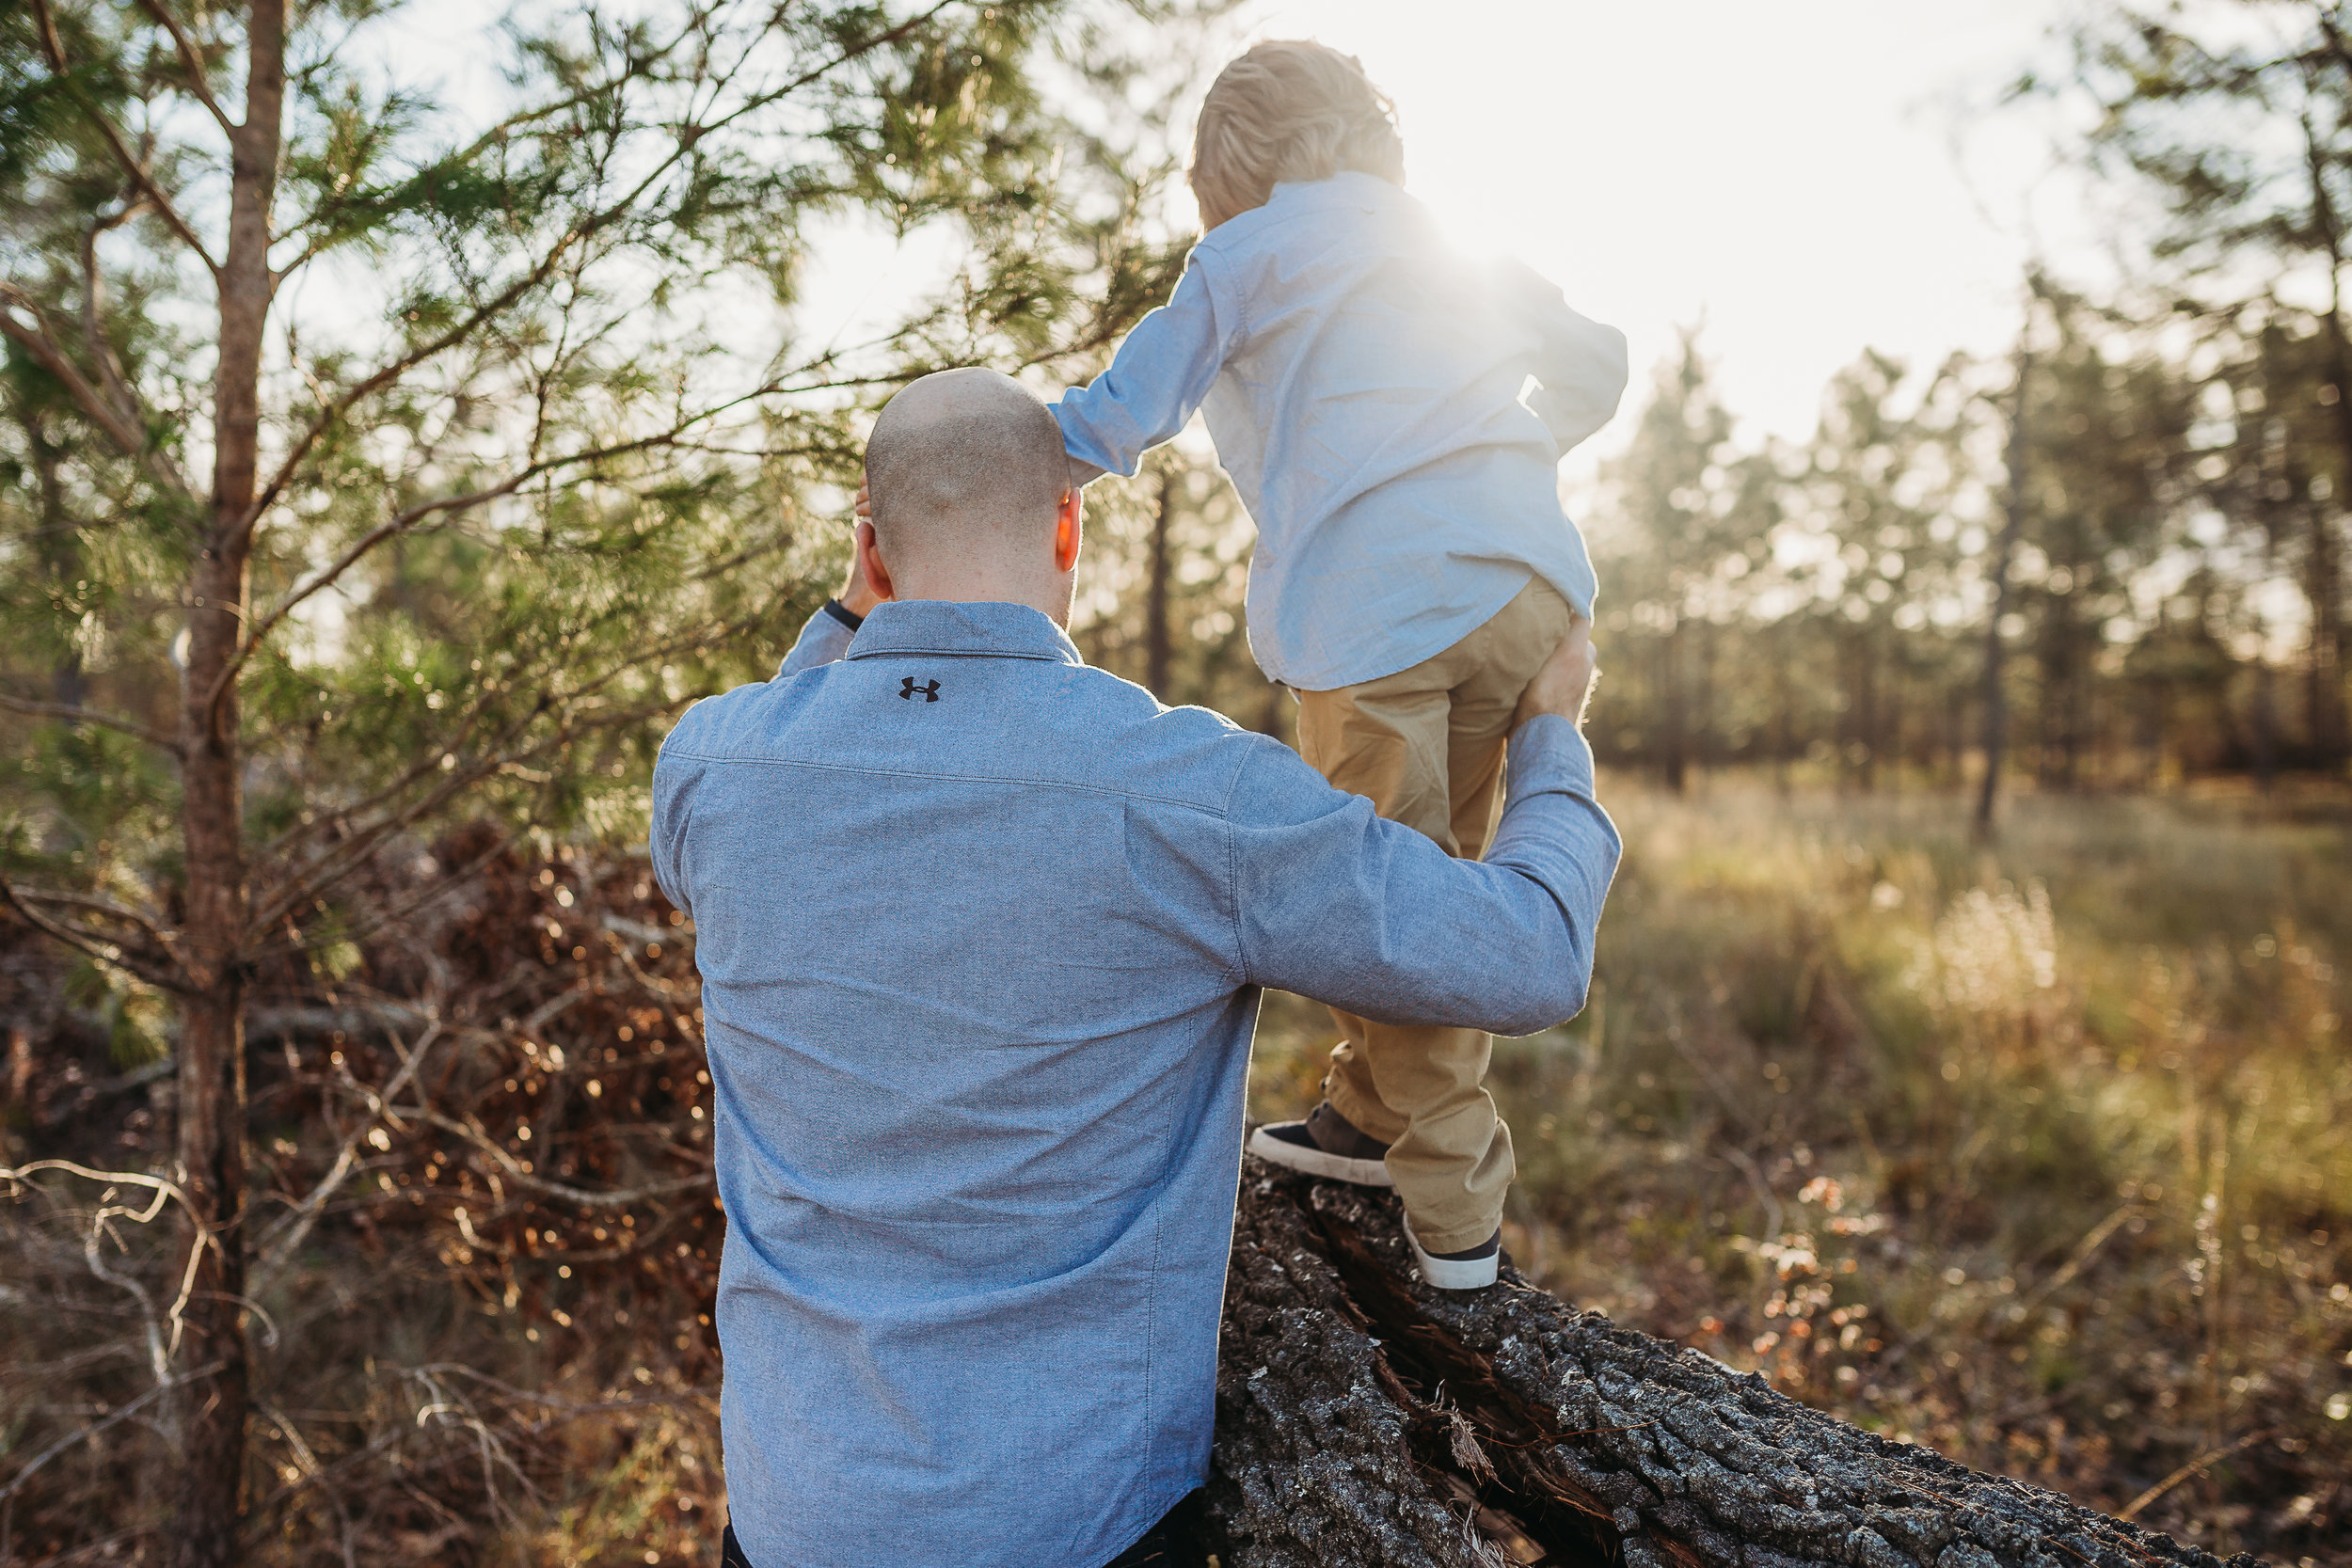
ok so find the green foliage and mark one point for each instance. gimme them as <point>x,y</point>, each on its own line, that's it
<point>549,450</point>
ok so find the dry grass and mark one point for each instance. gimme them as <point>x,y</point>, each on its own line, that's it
<point>2040,1155</point>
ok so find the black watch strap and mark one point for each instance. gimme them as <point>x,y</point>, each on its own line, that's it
<point>844,614</point>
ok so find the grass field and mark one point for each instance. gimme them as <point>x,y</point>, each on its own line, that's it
<point>2039,1154</point>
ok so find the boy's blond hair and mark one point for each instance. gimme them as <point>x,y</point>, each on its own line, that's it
<point>1290,109</point>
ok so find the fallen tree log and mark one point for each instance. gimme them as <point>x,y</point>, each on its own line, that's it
<point>1365,1420</point>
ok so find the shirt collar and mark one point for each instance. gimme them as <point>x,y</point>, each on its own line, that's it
<point>1351,187</point>
<point>978,631</point>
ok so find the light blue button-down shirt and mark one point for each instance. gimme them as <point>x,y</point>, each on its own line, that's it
<point>1363,383</point>
<point>981,933</point>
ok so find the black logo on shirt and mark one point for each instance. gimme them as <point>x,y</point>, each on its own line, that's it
<point>929,690</point>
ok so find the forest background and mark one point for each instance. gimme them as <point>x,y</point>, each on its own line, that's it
<point>379,476</point>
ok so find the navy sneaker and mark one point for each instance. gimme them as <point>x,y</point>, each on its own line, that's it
<point>1473,1270</point>
<point>1328,1144</point>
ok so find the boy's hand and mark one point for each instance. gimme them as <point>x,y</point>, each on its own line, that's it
<point>1564,684</point>
<point>864,505</point>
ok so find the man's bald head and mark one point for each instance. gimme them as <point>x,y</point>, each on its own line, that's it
<point>966,470</point>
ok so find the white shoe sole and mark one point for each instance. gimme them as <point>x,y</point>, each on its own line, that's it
<point>1455,1274</point>
<point>1315,1162</point>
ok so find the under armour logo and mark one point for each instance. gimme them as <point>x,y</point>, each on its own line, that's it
<point>929,690</point>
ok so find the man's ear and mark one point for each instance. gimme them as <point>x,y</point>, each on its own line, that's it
<point>1068,531</point>
<point>869,559</point>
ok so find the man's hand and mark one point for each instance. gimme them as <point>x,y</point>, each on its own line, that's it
<point>1564,684</point>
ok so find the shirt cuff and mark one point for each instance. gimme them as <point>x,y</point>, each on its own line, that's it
<point>1548,755</point>
<point>825,638</point>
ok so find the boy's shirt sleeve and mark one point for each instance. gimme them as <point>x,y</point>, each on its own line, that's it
<point>1581,363</point>
<point>1157,378</point>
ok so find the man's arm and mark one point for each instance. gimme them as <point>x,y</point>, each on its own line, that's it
<point>826,637</point>
<point>1581,364</point>
<point>1161,372</point>
<point>1335,903</point>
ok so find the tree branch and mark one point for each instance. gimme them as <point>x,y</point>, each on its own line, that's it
<point>327,575</point>
<point>74,715</point>
<point>307,883</point>
<point>122,1412</point>
<point>512,1170</point>
<point>686,137</point>
<point>191,59</point>
<point>402,522</point>
<point>122,431</point>
<point>278,1249</point>
<point>108,908</point>
<point>51,46</point>
<point>93,944</point>
<point>94,339</point>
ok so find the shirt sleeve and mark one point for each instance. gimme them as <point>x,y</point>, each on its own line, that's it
<point>1335,903</point>
<point>1581,363</point>
<point>1157,378</point>
<point>825,639</point>
<point>665,837</point>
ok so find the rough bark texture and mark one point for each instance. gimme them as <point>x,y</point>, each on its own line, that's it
<point>211,1050</point>
<point>1364,1418</point>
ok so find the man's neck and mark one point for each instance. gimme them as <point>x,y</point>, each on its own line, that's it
<point>1055,607</point>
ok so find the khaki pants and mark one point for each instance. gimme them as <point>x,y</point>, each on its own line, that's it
<point>1425,745</point>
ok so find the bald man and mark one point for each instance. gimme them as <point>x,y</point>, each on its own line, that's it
<point>981,933</point>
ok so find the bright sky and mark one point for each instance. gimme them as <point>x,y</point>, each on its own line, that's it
<point>1806,177</point>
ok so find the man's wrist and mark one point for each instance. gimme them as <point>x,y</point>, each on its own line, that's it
<point>1547,756</point>
<point>844,614</point>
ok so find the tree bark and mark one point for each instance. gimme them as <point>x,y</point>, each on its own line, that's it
<point>2329,740</point>
<point>1366,1419</point>
<point>1674,749</point>
<point>211,1068</point>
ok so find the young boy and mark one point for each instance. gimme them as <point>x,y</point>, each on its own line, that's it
<point>1363,384</point>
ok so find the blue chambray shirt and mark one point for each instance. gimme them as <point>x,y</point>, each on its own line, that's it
<point>1363,383</point>
<point>981,933</point>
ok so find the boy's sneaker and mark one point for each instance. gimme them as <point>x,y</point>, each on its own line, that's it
<point>1473,1270</point>
<point>1328,1144</point>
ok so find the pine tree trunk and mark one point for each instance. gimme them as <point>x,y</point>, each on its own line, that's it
<point>1674,750</point>
<point>211,1069</point>
<point>2327,719</point>
<point>2324,589</point>
<point>2265,727</point>
<point>1995,692</point>
<point>1364,1419</point>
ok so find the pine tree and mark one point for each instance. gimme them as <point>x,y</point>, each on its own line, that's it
<point>373,461</point>
<point>1681,521</point>
<point>2241,138</point>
